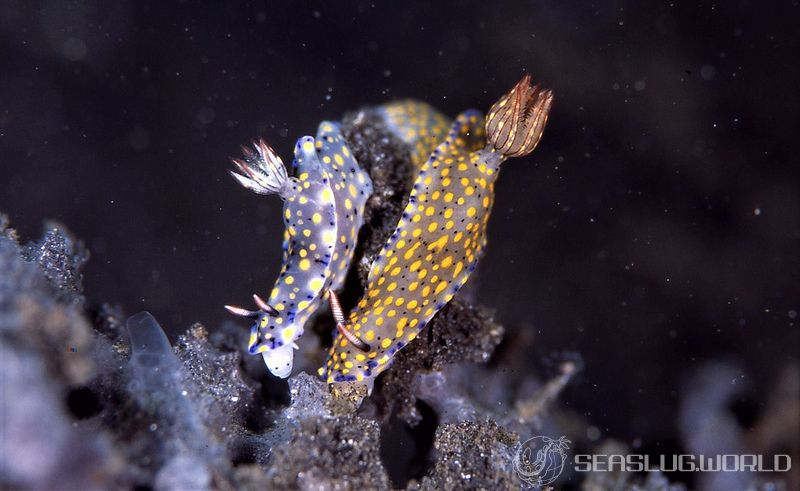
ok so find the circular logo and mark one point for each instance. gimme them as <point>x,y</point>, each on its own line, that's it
<point>540,460</point>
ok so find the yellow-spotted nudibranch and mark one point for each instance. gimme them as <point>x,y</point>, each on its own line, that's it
<point>323,208</point>
<point>417,124</point>
<point>440,236</point>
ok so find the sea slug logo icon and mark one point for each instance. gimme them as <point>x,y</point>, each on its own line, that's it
<point>540,460</point>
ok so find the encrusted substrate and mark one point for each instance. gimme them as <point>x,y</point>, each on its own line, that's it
<point>472,455</point>
<point>458,333</point>
<point>101,402</point>
<point>340,450</point>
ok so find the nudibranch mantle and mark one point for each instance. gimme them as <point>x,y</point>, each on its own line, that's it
<point>323,208</point>
<point>441,233</point>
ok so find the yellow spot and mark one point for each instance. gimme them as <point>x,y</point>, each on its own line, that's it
<point>315,284</point>
<point>410,252</point>
<point>386,343</point>
<point>307,232</point>
<point>305,264</point>
<point>448,213</point>
<point>369,335</point>
<point>471,211</point>
<point>379,321</point>
<point>391,286</point>
<point>329,236</point>
<point>288,335</point>
<point>415,265</point>
<point>316,218</point>
<point>440,287</point>
<point>327,195</point>
<point>338,159</point>
<point>400,301</point>
<point>289,280</point>
<point>413,286</point>
<point>302,305</point>
<point>439,244</point>
<point>307,147</point>
<point>432,226</point>
<point>360,357</point>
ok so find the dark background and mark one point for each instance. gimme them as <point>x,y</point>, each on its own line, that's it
<point>655,228</point>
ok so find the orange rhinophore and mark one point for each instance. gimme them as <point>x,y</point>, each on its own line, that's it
<point>516,122</point>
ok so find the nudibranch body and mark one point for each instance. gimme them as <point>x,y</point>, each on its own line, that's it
<point>439,238</point>
<point>322,212</point>
<point>417,124</point>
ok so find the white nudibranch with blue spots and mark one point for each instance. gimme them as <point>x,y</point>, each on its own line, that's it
<point>323,208</point>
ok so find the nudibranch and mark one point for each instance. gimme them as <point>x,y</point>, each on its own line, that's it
<point>417,124</point>
<point>323,208</point>
<point>440,236</point>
